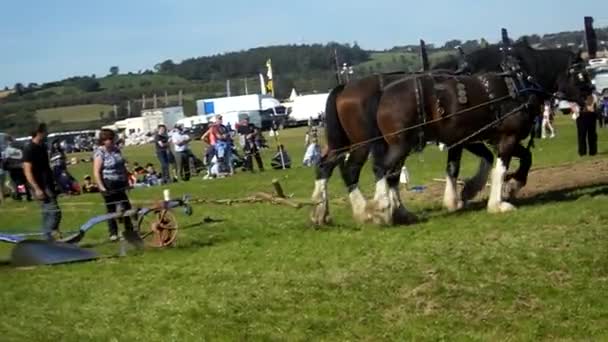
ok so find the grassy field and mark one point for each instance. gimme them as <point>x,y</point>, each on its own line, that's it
<point>82,113</point>
<point>540,273</point>
<point>396,61</point>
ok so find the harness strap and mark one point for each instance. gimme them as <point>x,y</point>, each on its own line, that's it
<point>421,111</point>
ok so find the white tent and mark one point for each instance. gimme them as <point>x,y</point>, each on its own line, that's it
<point>293,95</point>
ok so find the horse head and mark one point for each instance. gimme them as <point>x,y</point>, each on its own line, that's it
<point>574,84</point>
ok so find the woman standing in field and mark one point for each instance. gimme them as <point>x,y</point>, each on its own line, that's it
<point>111,176</point>
<point>547,124</point>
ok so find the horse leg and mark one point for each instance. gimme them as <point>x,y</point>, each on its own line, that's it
<point>351,170</point>
<point>383,208</point>
<point>400,214</point>
<point>496,204</point>
<point>320,212</point>
<point>475,184</point>
<point>450,196</point>
<point>518,180</point>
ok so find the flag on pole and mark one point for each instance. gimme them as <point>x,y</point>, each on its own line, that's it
<point>269,85</point>
<point>262,85</point>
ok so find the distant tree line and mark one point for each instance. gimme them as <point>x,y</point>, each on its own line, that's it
<point>307,68</point>
<point>286,59</point>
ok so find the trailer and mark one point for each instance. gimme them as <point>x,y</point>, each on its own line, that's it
<point>223,105</point>
<point>267,108</point>
<point>167,116</point>
<point>307,107</point>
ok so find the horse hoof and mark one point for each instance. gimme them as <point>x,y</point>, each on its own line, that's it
<point>453,207</point>
<point>502,207</point>
<point>320,216</point>
<point>362,218</point>
<point>405,218</point>
<point>511,189</point>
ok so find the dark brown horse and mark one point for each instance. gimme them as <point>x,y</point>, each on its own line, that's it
<point>351,121</point>
<point>455,109</point>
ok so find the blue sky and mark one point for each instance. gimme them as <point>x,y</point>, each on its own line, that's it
<point>49,40</point>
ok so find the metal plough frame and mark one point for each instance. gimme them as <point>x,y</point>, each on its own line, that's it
<point>162,228</point>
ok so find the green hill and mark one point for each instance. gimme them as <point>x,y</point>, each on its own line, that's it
<point>82,113</point>
<point>128,81</point>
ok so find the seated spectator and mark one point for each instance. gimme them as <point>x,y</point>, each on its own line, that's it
<point>88,187</point>
<point>312,157</point>
<point>152,178</point>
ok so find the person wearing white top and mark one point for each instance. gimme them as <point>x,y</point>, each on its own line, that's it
<point>546,124</point>
<point>181,143</point>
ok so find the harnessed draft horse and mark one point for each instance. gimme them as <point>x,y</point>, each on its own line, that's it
<point>494,109</point>
<point>352,127</point>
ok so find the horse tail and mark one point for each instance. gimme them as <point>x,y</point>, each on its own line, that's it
<point>334,132</point>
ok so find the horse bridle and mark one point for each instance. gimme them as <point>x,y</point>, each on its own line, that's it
<point>581,77</point>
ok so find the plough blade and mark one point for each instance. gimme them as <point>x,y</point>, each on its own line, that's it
<point>39,252</point>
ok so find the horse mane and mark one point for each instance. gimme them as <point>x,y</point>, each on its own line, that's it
<point>547,65</point>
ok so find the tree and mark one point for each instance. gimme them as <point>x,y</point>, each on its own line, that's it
<point>452,44</point>
<point>114,70</point>
<point>483,43</point>
<point>470,45</point>
<point>167,66</point>
<point>87,84</point>
<point>6,88</point>
<point>19,88</point>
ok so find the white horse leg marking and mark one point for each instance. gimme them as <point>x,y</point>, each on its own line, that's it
<point>382,213</point>
<point>495,202</point>
<point>359,205</point>
<point>321,203</point>
<point>450,196</point>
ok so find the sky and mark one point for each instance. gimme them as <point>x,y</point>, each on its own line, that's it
<point>44,40</point>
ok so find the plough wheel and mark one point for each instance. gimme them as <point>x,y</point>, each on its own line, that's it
<point>158,228</point>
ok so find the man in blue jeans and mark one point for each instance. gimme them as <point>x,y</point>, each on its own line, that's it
<point>161,141</point>
<point>39,175</point>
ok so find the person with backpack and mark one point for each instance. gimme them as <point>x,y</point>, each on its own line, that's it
<point>218,138</point>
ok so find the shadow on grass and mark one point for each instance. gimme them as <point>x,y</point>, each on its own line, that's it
<point>567,194</point>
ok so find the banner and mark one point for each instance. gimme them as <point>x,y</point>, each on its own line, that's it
<point>262,85</point>
<point>269,85</point>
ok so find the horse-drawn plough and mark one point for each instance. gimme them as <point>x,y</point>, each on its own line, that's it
<point>157,226</point>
